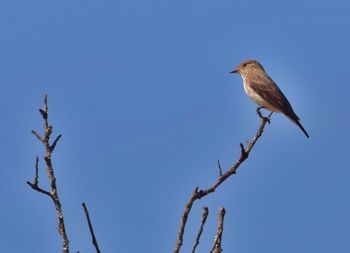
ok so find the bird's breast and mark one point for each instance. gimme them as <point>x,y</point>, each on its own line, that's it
<point>247,87</point>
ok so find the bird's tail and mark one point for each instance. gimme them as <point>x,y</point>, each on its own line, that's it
<point>301,127</point>
<point>293,117</point>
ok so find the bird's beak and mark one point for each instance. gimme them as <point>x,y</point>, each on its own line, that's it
<point>234,71</point>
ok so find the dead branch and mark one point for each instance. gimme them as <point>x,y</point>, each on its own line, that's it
<point>53,194</point>
<point>219,168</point>
<point>94,241</point>
<point>218,237</point>
<point>200,231</point>
<point>198,194</point>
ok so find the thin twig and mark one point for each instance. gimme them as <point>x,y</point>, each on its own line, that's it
<point>36,179</point>
<point>200,231</point>
<point>198,194</point>
<point>53,194</point>
<point>38,189</point>
<point>218,237</point>
<point>52,147</point>
<point>37,136</point>
<point>219,167</point>
<point>94,241</point>
<point>183,220</point>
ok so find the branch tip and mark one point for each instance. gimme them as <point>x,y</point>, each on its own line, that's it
<point>46,108</point>
<point>196,189</point>
<point>52,147</point>
<point>220,228</point>
<point>43,114</point>
<point>36,178</point>
<point>94,241</point>
<point>37,135</point>
<point>219,167</point>
<point>244,153</point>
<point>205,213</point>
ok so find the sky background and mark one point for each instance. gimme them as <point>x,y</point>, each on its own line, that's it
<point>141,92</point>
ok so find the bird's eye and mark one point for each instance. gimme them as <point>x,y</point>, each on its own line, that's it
<point>244,64</point>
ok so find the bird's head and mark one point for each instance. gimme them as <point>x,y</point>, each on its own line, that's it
<point>247,66</point>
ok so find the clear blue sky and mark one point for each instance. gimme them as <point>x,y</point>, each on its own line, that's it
<point>141,92</point>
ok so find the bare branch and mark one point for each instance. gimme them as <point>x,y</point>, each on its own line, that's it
<point>218,237</point>
<point>198,194</point>
<point>243,151</point>
<point>37,136</point>
<point>35,184</point>
<point>94,241</point>
<point>43,113</point>
<point>36,179</point>
<point>38,189</point>
<point>200,231</point>
<point>183,220</point>
<point>52,147</point>
<point>53,194</point>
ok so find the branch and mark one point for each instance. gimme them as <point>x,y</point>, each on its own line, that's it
<point>219,168</point>
<point>218,237</point>
<point>38,189</point>
<point>37,136</point>
<point>200,231</point>
<point>52,147</point>
<point>53,194</point>
<point>198,194</point>
<point>94,241</point>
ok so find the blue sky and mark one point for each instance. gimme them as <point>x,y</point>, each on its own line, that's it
<point>141,92</point>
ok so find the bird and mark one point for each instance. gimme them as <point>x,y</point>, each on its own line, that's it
<point>264,91</point>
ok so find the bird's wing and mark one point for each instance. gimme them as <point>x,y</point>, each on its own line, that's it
<point>266,88</point>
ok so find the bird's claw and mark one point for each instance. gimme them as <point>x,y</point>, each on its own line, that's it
<point>268,118</point>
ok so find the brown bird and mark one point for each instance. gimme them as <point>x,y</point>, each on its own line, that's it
<point>264,91</point>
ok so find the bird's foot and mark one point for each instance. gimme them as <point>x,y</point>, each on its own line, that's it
<point>268,118</point>
<point>258,111</point>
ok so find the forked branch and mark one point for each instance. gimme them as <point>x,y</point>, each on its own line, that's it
<point>200,193</point>
<point>53,194</point>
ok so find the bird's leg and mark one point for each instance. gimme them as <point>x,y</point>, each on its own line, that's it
<point>268,118</point>
<point>259,112</point>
